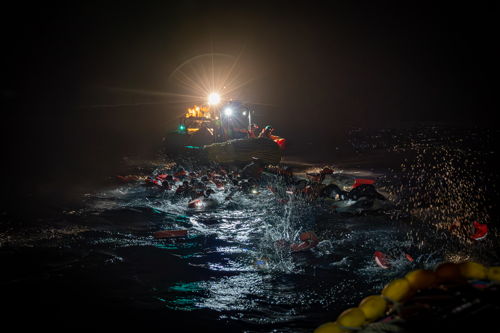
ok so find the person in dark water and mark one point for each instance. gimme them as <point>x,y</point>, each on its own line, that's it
<point>284,173</point>
<point>197,189</point>
<point>180,173</point>
<point>183,189</point>
<point>333,191</point>
<point>366,191</point>
<point>208,192</point>
<point>166,185</point>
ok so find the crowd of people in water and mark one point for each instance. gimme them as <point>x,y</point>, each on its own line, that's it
<point>201,182</point>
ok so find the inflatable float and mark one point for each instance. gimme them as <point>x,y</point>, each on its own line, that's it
<point>170,234</point>
<point>454,297</point>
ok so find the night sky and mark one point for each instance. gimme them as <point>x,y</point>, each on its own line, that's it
<point>78,79</point>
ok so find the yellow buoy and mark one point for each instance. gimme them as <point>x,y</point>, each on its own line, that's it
<point>397,289</point>
<point>352,317</point>
<point>473,270</point>
<point>330,327</point>
<point>494,273</point>
<point>448,271</point>
<point>421,278</point>
<point>373,307</point>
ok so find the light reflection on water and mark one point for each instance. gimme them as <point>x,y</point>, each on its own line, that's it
<point>244,275</point>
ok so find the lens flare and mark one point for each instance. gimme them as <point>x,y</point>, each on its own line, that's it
<point>214,98</point>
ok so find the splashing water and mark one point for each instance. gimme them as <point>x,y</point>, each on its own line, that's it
<point>280,231</point>
<point>236,266</point>
<point>445,186</point>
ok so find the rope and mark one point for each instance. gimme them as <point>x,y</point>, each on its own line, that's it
<point>380,327</point>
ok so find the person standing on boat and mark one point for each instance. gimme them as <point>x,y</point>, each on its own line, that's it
<point>252,130</point>
<point>267,132</point>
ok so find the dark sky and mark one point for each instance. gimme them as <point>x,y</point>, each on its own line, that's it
<point>316,66</point>
<point>354,60</point>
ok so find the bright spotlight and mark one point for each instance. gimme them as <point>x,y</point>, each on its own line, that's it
<point>244,113</point>
<point>213,98</point>
<point>228,111</point>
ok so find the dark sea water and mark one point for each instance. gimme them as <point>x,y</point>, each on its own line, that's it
<point>91,261</point>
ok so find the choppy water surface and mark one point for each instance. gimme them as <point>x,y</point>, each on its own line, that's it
<point>231,271</point>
